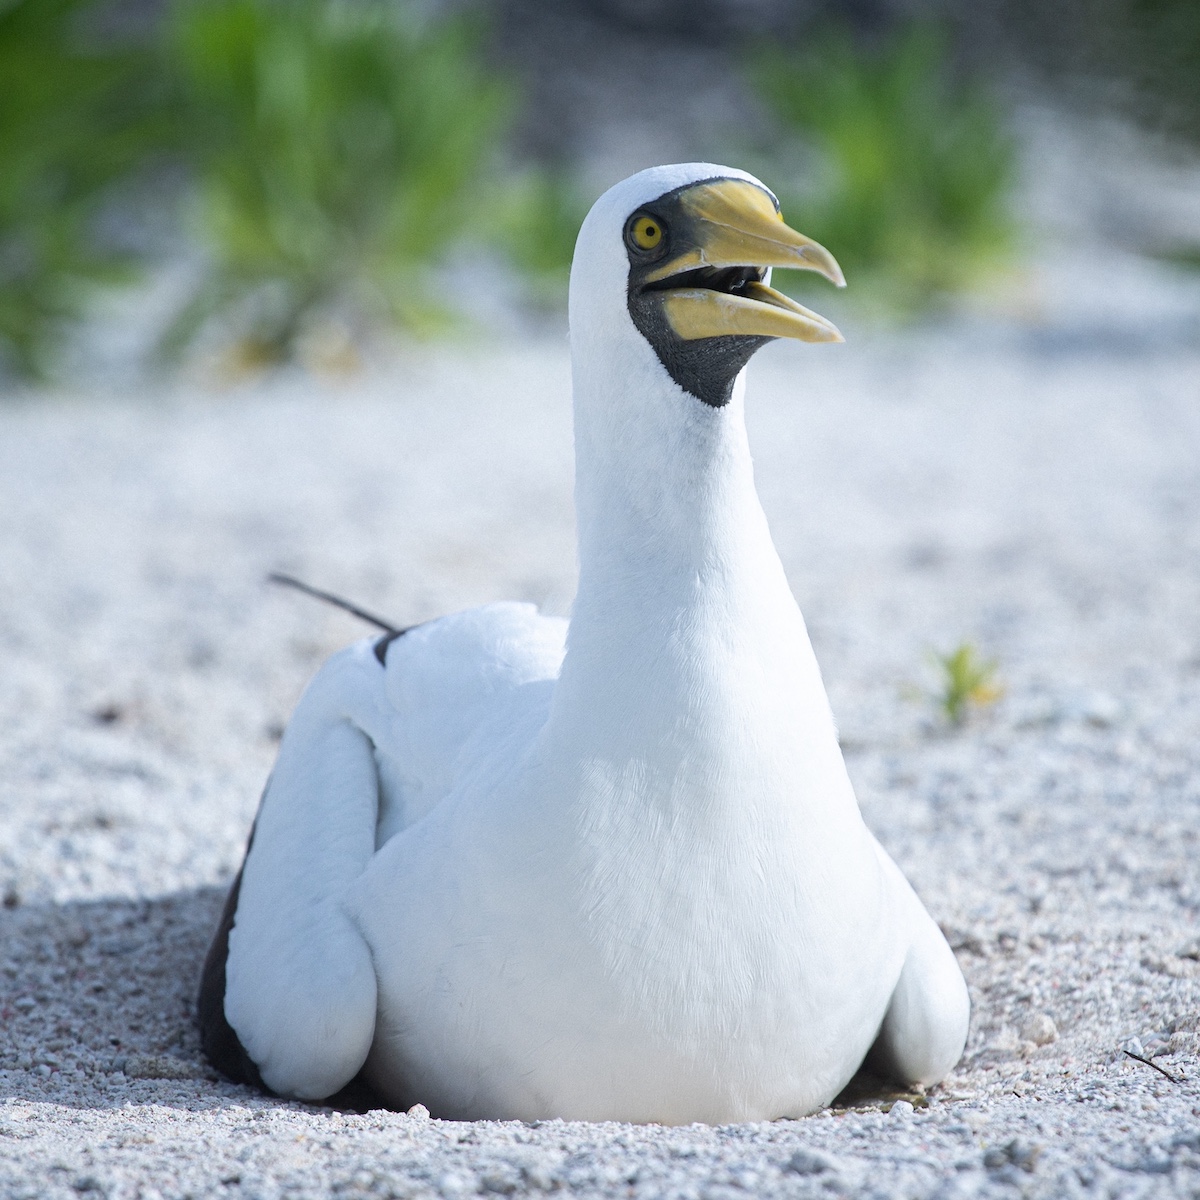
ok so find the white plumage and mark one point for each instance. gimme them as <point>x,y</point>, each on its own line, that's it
<point>628,882</point>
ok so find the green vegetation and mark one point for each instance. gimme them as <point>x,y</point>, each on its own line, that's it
<point>1139,56</point>
<point>966,682</point>
<point>1157,44</point>
<point>1153,48</point>
<point>913,167</point>
<point>334,152</point>
<point>339,149</point>
<point>537,228</point>
<point>76,117</point>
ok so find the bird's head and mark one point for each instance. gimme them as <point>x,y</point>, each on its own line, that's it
<point>681,257</point>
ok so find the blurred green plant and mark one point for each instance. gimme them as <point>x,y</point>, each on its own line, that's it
<point>537,225</point>
<point>966,682</point>
<point>1156,44</point>
<point>339,148</point>
<point>1139,56</point>
<point>913,169</point>
<point>77,114</point>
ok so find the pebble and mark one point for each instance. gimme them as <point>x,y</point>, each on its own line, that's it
<point>457,1183</point>
<point>810,1162</point>
<point>1018,1153</point>
<point>1040,1029</point>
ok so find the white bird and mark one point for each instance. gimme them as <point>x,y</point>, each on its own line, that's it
<point>512,867</point>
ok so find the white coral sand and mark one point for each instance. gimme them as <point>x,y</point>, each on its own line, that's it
<point>1034,489</point>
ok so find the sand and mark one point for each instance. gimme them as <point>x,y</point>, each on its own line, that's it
<point>1025,481</point>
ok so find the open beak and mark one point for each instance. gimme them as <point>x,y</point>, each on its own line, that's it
<point>715,288</point>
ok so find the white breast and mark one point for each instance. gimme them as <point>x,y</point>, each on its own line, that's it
<point>686,925</point>
<point>629,881</point>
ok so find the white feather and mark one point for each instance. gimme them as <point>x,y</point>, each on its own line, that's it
<point>637,887</point>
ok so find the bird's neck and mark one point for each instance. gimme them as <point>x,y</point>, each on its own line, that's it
<point>684,631</point>
<point>667,509</point>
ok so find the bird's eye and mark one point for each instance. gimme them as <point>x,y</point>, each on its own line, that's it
<point>645,233</point>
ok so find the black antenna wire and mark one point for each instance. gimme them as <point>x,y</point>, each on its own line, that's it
<point>361,613</point>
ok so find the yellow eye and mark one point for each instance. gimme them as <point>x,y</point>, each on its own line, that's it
<point>646,233</point>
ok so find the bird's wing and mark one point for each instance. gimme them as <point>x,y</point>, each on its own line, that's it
<point>466,690</point>
<point>288,993</point>
<point>925,1027</point>
<point>299,987</point>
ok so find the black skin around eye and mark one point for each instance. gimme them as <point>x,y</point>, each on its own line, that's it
<point>704,367</point>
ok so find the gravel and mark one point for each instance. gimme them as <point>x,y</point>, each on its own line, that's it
<point>1029,484</point>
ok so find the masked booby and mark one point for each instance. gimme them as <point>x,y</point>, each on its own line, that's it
<point>512,867</point>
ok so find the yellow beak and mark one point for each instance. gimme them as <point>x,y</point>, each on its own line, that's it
<point>735,224</point>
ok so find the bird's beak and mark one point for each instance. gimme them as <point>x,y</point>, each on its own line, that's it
<point>734,224</point>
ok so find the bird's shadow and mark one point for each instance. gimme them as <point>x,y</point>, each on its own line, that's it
<point>91,990</point>
<point>870,1090</point>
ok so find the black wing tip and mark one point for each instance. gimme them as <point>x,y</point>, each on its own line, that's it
<point>381,646</point>
<point>221,1044</point>
<point>218,1040</point>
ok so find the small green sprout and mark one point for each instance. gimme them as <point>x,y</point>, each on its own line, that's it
<point>967,682</point>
